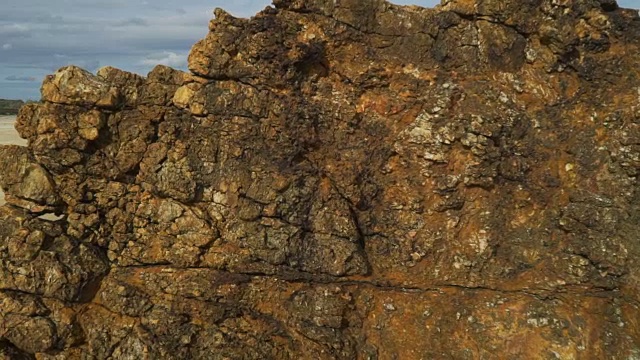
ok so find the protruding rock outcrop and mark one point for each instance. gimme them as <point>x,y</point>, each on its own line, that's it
<point>338,180</point>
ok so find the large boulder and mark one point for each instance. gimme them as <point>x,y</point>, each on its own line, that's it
<point>338,180</point>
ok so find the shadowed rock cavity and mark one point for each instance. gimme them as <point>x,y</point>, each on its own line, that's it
<point>337,180</point>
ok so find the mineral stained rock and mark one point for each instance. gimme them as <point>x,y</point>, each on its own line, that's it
<point>338,180</point>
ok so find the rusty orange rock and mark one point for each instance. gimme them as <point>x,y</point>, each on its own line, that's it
<point>338,180</point>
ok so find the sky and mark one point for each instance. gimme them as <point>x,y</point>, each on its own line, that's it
<point>39,36</point>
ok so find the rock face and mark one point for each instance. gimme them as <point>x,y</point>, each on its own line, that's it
<point>338,180</point>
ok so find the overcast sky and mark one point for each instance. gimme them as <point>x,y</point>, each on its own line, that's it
<point>39,36</point>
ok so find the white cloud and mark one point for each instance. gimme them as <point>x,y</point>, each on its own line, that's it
<point>134,21</point>
<point>167,58</point>
<point>9,29</point>
<point>7,46</point>
<point>21,78</point>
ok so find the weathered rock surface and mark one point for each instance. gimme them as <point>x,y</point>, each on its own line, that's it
<point>338,180</point>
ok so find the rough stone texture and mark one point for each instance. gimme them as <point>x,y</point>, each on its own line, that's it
<point>338,180</point>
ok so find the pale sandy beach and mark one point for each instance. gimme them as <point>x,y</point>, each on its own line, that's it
<point>8,135</point>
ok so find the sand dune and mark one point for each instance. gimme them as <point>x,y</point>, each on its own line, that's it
<point>8,135</point>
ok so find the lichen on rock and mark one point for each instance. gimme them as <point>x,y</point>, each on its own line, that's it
<point>337,180</point>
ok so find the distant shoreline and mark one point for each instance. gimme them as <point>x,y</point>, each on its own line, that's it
<point>10,107</point>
